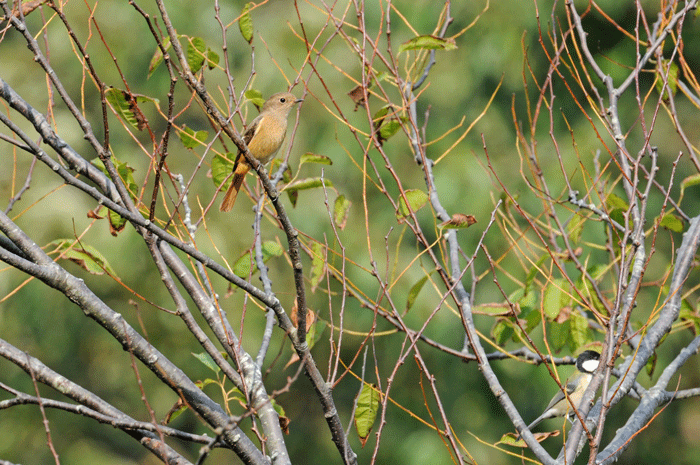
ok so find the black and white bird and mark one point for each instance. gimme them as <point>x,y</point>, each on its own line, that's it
<point>586,364</point>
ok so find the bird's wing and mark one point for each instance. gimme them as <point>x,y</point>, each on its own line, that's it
<point>571,384</point>
<point>252,129</point>
<point>247,137</point>
<point>555,400</point>
<point>570,387</point>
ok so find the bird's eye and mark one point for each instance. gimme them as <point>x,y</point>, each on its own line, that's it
<point>282,100</point>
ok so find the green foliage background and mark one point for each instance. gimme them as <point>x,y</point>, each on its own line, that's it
<point>46,325</point>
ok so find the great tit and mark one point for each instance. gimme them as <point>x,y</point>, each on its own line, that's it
<point>586,364</point>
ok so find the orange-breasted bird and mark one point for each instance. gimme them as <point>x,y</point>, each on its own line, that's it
<point>263,137</point>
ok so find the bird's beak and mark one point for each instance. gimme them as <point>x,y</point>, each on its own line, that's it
<point>299,100</point>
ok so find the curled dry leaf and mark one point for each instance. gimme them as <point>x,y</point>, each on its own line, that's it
<point>357,96</point>
<point>513,439</point>
<point>458,221</point>
<point>310,316</point>
<point>28,7</point>
<point>564,314</point>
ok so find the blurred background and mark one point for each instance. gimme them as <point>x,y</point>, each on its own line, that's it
<point>502,48</point>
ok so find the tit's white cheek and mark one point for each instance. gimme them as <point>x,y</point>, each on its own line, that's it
<point>590,365</point>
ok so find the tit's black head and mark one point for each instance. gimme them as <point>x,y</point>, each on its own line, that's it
<point>587,361</point>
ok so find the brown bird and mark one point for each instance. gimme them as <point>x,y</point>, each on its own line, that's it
<point>263,137</point>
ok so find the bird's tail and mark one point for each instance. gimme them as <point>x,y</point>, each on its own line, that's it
<point>232,192</point>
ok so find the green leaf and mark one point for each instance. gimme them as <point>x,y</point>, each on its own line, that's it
<point>157,58</point>
<point>207,361</point>
<point>672,223</point>
<point>588,290</point>
<point>245,267</point>
<point>196,50</point>
<point>278,408</point>
<point>341,209</point>
<point>308,183</point>
<point>117,99</point>
<point>309,157</point>
<point>517,335</point>
<point>516,295</point>
<point>559,335</point>
<point>366,413</point>
<point>416,200</point>
<point>510,439</point>
<point>311,337</point>
<point>532,274</point>
<point>238,396</point>
<point>381,114</point>
<point>256,97</point>
<point>212,59</point>
<point>198,53</point>
<point>651,364</point>
<point>85,256</point>
<point>414,291</point>
<point>382,75</point>
<point>529,299</point>
<point>502,331</point>
<point>688,314</point>
<point>177,413</point>
<point>614,202</point>
<point>293,197</point>
<point>575,228</point>
<point>597,271</point>
<point>556,296</point>
<point>126,106</point>
<point>618,216</point>
<point>117,223</point>
<point>245,23</point>
<point>579,331</point>
<point>690,181</point>
<point>206,382</point>
<point>318,264</point>
<point>221,167</point>
<point>191,139</point>
<point>428,42</point>
<point>389,128</point>
<point>495,310</point>
<point>314,334</point>
<point>532,319</point>
<point>125,172</point>
<point>672,77</point>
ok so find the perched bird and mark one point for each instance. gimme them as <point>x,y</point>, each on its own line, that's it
<point>586,364</point>
<point>263,137</point>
